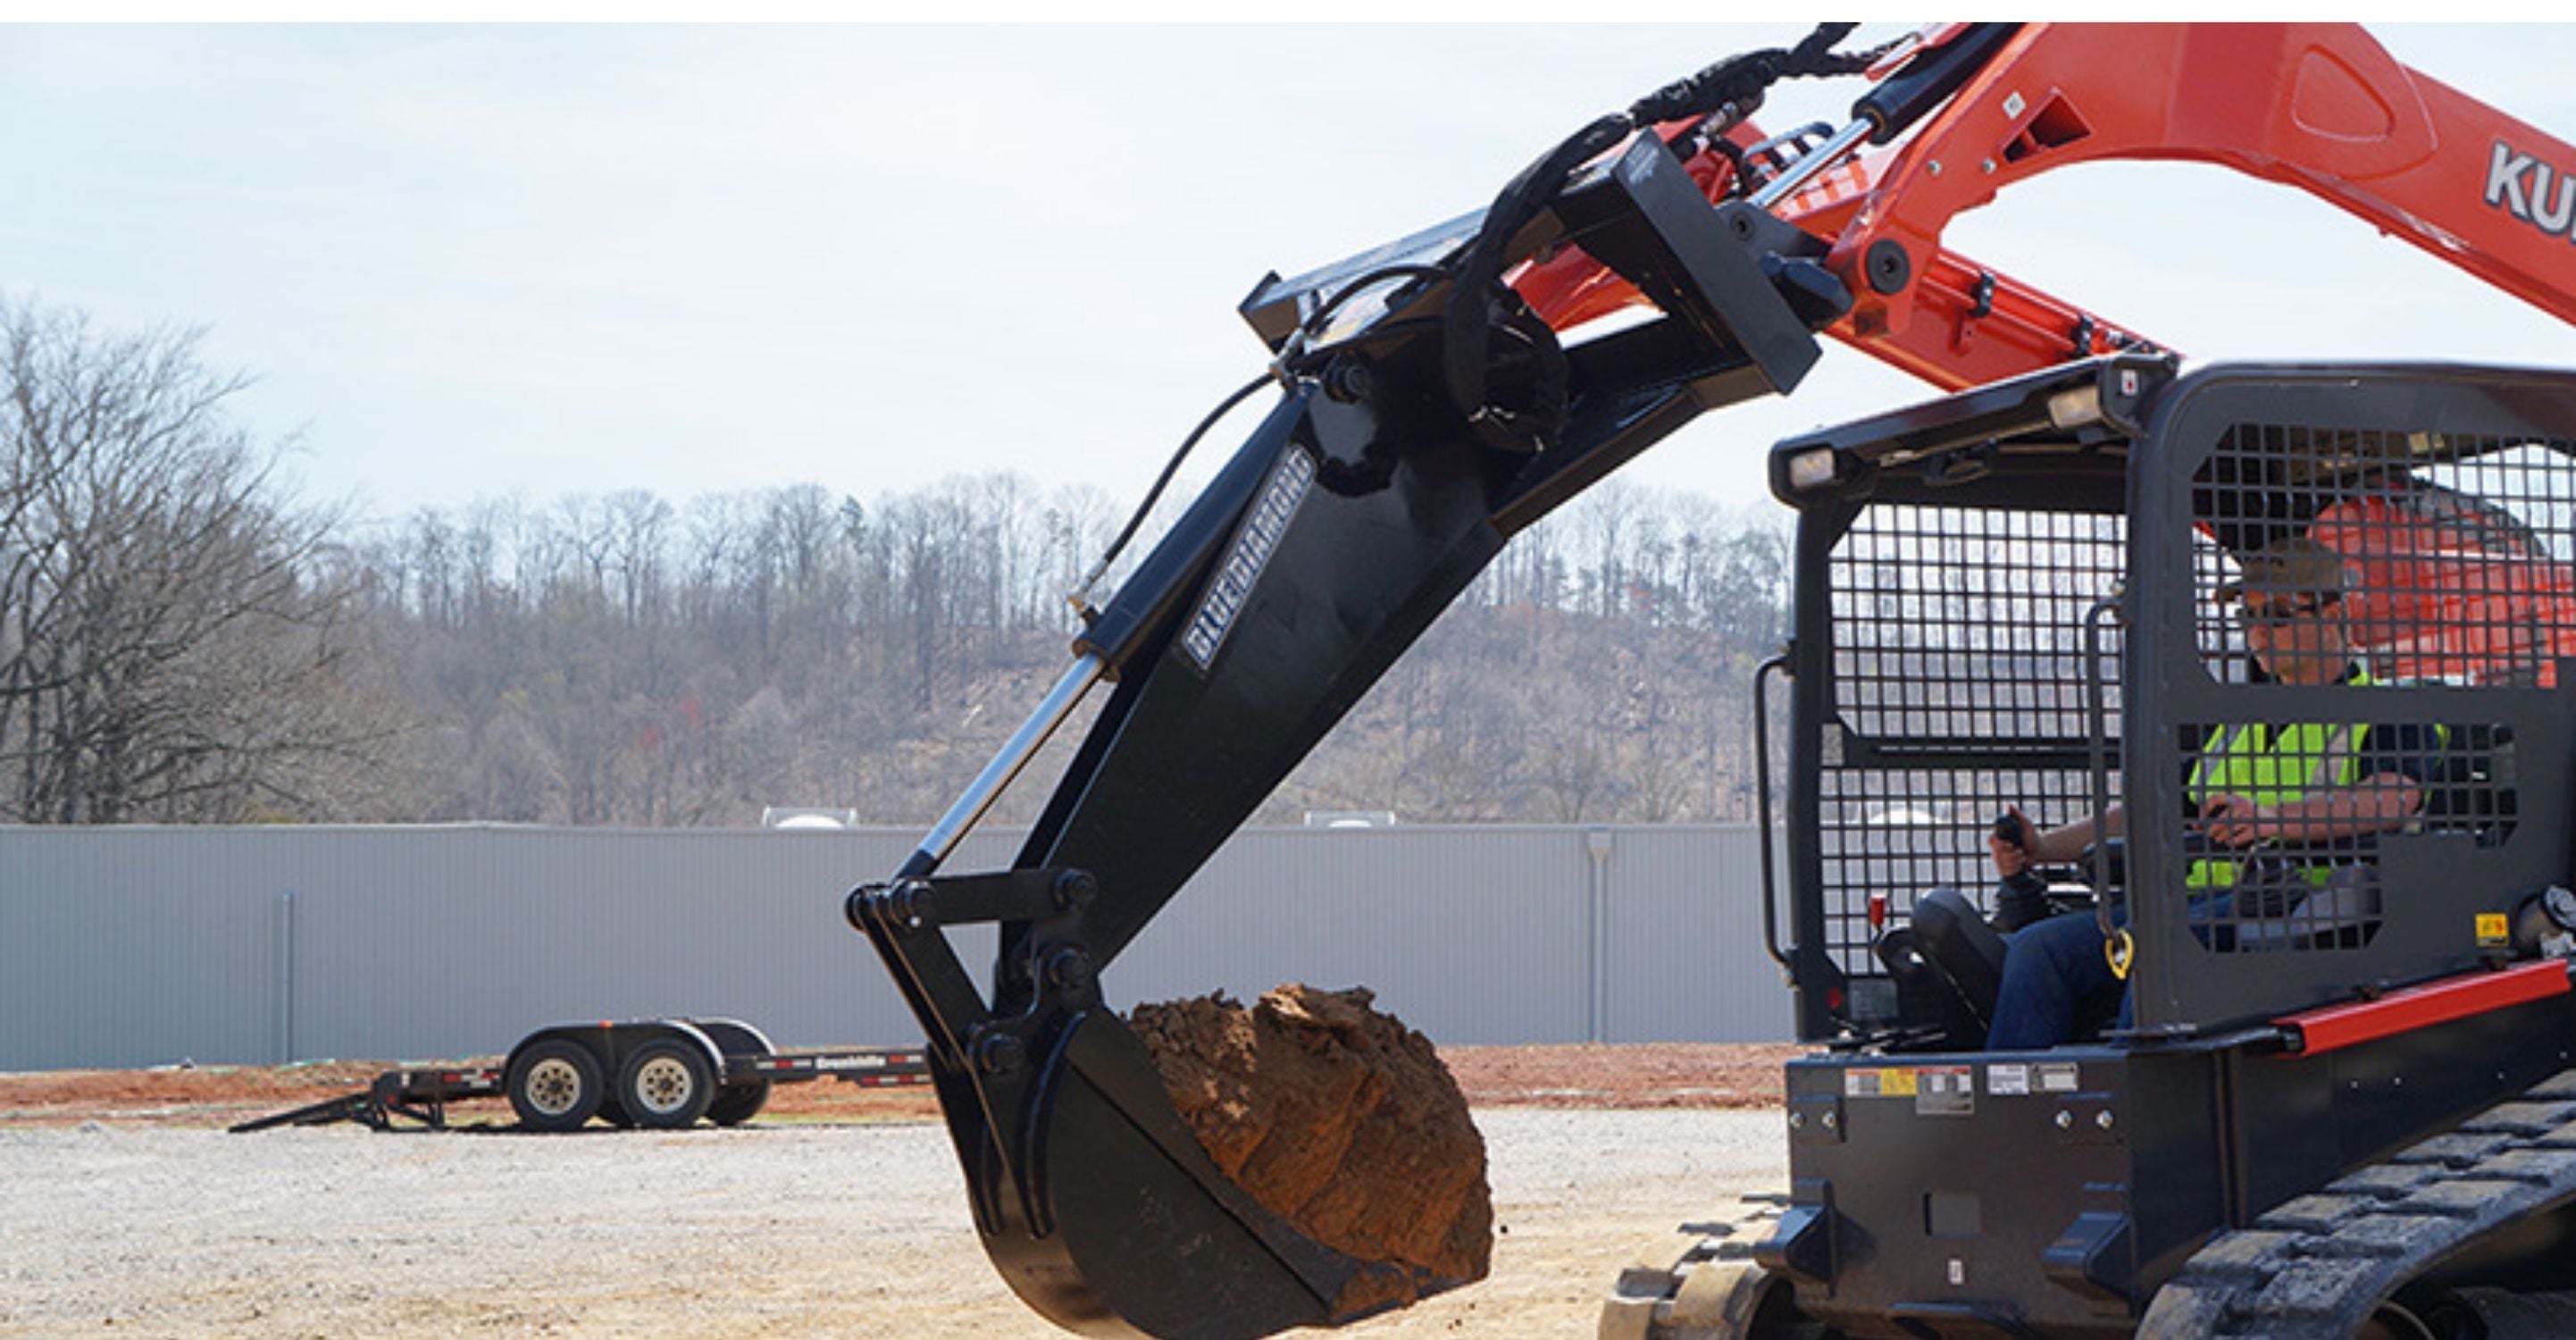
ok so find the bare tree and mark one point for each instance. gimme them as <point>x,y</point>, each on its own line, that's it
<point>175,641</point>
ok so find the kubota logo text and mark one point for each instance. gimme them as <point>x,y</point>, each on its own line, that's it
<point>2531,190</point>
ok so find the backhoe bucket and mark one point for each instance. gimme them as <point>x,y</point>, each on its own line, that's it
<point>1148,1236</point>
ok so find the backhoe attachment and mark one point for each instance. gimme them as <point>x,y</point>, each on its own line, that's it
<point>1378,486</point>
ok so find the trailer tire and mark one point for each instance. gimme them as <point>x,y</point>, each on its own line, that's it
<point>739,1103</point>
<point>666,1084</point>
<point>556,1085</point>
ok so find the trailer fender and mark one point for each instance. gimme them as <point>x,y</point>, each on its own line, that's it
<point>735,1037</point>
<point>740,1097</point>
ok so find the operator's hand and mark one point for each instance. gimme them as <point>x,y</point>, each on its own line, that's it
<point>2236,821</point>
<point>2010,858</point>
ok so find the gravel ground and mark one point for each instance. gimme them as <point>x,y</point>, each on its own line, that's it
<point>776,1231</point>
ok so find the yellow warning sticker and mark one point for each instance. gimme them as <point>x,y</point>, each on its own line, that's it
<point>2493,929</point>
<point>1879,1082</point>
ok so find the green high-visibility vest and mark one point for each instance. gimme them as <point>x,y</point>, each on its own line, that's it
<point>2275,765</point>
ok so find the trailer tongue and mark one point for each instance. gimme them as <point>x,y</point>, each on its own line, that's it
<point>420,1095</point>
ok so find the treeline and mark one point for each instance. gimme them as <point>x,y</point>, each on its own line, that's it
<point>179,644</point>
<point>622,659</point>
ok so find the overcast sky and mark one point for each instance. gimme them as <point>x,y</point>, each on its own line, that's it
<point>540,260</point>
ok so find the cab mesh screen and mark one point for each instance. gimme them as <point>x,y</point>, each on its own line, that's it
<point>1958,690</point>
<point>2331,571</point>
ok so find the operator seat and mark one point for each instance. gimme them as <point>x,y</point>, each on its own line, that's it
<point>1951,942</point>
<point>1947,966</point>
<point>1955,936</point>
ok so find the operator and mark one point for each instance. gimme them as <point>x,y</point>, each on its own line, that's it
<point>2254,786</point>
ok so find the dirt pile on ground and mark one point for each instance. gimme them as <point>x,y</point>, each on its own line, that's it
<point>1340,1120</point>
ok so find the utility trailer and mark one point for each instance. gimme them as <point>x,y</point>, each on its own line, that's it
<point>660,1074</point>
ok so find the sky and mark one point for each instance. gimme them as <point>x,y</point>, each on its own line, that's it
<point>477,261</point>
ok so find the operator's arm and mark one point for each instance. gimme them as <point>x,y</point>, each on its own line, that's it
<point>2056,846</point>
<point>2391,791</point>
<point>2376,804</point>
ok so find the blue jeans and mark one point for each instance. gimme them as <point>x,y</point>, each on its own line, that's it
<point>2050,969</point>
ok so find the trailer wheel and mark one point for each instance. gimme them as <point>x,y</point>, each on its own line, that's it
<point>555,1086</point>
<point>666,1084</point>
<point>738,1104</point>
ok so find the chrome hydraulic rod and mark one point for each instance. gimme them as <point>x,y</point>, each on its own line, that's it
<point>1799,173</point>
<point>1006,766</point>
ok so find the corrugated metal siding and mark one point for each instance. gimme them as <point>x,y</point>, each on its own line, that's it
<point>503,929</point>
<point>112,952</point>
<point>1685,936</point>
<point>143,945</point>
<point>1472,935</point>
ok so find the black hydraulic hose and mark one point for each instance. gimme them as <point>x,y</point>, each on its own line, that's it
<point>1743,77</point>
<point>1081,595</point>
<point>1739,79</point>
<point>1372,279</point>
<point>1465,323</point>
<point>1739,181</point>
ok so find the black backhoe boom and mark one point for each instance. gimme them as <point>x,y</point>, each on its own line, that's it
<point>1424,415</point>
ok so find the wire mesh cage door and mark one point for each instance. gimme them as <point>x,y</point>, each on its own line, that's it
<point>2355,603</point>
<point>1942,682</point>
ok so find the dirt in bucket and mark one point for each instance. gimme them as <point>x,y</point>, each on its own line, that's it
<point>1340,1120</point>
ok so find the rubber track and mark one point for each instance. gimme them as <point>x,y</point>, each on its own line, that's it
<point>2313,1268</point>
<point>1647,1303</point>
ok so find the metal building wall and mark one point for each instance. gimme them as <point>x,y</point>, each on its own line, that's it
<point>139,946</point>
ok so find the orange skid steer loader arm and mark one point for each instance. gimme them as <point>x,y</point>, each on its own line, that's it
<point>2319,107</point>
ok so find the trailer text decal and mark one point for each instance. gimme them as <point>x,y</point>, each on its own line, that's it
<point>1253,544</point>
<point>2521,185</point>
